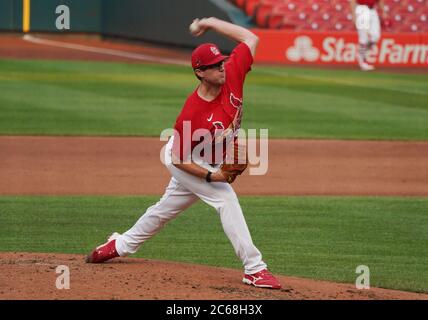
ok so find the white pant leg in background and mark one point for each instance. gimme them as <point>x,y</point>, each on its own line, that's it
<point>375,30</point>
<point>368,24</point>
<point>175,200</point>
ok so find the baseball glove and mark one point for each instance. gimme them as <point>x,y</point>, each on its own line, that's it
<point>236,161</point>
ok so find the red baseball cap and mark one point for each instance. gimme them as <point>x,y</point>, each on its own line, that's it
<point>206,54</point>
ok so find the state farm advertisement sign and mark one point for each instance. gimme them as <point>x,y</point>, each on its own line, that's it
<point>407,50</point>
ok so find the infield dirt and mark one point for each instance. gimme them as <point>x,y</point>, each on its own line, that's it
<point>132,166</point>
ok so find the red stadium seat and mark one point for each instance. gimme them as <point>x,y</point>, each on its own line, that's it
<point>292,5</point>
<point>339,7</point>
<point>250,7</point>
<point>275,19</point>
<point>411,9</point>
<point>419,7</point>
<point>274,2</point>
<point>419,20</point>
<point>343,26</point>
<point>409,15</point>
<point>312,7</point>
<point>318,24</point>
<point>287,26</point>
<point>411,27</point>
<point>399,18</point>
<point>262,12</point>
<point>326,16</point>
<point>321,17</point>
<point>343,23</point>
<point>387,8</point>
<point>240,3</point>
<point>401,10</point>
<point>292,20</point>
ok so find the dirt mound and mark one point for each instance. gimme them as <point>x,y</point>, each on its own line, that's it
<point>33,276</point>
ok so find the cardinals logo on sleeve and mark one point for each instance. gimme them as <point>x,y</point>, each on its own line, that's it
<point>234,101</point>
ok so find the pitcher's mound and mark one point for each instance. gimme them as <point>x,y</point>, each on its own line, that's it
<point>34,276</point>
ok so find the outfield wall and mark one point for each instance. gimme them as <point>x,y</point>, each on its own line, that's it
<point>166,22</point>
<point>10,15</point>
<point>340,48</point>
<point>160,21</point>
<point>85,15</point>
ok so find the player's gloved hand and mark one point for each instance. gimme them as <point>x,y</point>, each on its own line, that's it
<point>234,164</point>
<point>236,160</point>
<point>221,176</point>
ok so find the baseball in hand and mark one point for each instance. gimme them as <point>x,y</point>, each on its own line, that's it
<point>194,27</point>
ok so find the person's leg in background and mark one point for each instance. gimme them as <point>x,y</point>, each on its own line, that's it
<point>362,23</point>
<point>374,29</point>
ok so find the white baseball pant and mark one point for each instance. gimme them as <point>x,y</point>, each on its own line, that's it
<point>183,190</point>
<point>368,24</point>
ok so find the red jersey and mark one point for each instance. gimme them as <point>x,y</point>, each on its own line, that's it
<point>223,114</point>
<point>369,3</point>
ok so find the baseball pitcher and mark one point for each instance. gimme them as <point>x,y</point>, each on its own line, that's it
<point>213,111</point>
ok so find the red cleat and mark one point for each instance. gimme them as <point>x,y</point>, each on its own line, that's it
<point>262,279</point>
<point>103,252</point>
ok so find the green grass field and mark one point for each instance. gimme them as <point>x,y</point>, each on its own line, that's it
<point>95,98</point>
<point>314,237</point>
